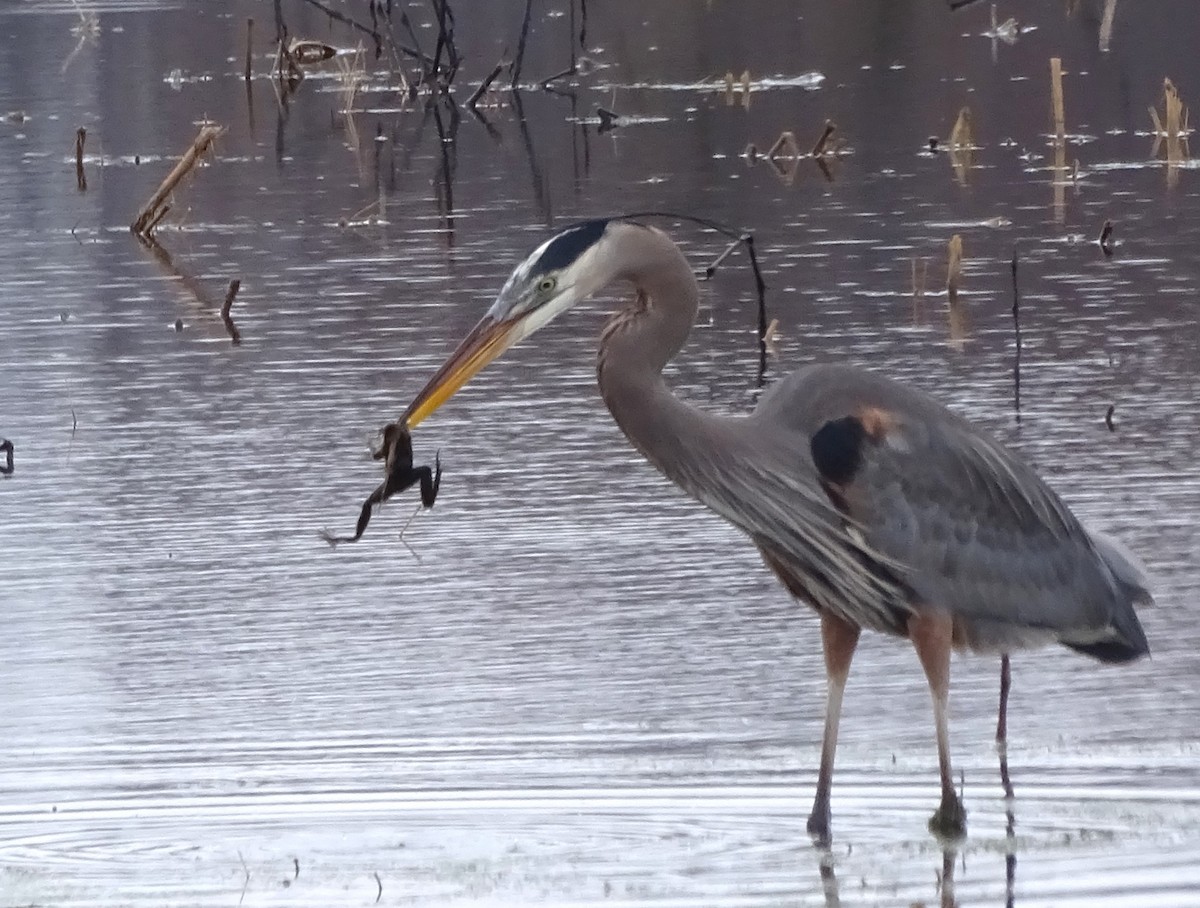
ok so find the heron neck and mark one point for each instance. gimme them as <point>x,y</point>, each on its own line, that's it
<point>636,344</point>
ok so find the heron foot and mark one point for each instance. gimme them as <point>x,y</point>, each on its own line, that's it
<point>818,826</point>
<point>949,821</point>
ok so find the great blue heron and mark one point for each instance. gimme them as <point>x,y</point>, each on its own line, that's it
<point>868,499</point>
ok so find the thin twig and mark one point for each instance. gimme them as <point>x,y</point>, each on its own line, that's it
<point>246,882</point>
<point>1016,314</point>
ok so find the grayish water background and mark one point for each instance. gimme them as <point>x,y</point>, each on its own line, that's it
<point>588,689</point>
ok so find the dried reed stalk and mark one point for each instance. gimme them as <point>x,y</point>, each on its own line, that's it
<point>954,267</point>
<point>820,147</point>
<point>1171,130</point>
<point>1106,24</point>
<point>962,145</point>
<point>155,209</point>
<point>962,135</point>
<point>1056,99</point>
<point>1060,138</point>
<point>785,146</point>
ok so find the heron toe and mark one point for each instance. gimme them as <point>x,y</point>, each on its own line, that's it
<point>949,821</point>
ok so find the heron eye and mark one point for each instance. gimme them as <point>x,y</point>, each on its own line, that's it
<point>546,284</point>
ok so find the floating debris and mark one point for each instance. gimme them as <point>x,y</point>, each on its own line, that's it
<point>608,119</point>
<point>308,53</point>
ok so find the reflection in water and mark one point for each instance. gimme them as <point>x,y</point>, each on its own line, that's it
<point>586,691</point>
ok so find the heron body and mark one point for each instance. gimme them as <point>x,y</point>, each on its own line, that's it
<point>868,499</point>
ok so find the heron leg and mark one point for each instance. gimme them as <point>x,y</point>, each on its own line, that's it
<point>932,633</point>
<point>839,639</point>
<point>1002,726</point>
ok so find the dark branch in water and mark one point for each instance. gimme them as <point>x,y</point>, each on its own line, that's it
<point>520,58</point>
<point>397,454</point>
<point>1108,421</point>
<point>7,447</point>
<point>1106,238</point>
<point>234,334</point>
<point>485,84</point>
<point>80,176</point>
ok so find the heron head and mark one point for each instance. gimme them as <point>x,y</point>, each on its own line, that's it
<point>557,275</point>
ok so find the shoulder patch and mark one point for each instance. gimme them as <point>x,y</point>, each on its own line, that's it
<point>837,449</point>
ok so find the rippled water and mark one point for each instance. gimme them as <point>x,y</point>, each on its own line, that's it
<point>576,687</point>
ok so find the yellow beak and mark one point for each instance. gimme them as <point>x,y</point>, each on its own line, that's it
<point>484,343</point>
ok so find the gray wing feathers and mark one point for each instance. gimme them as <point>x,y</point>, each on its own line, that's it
<point>978,531</point>
<point>1126,567</point>
<point>777,501</point>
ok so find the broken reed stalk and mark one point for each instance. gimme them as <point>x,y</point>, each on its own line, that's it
<point>1060,138</point>
<point>155,209</point>
<point>785,146</point>
<point>1106,24</point>
<point>819,148</point>
<point>80,176</point>
<point>954,267</point>
<point>1056,100</point>
<point>962,135</point>
<point>249,49</point>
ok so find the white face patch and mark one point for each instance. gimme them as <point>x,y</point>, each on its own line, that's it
<point>520,298</point>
